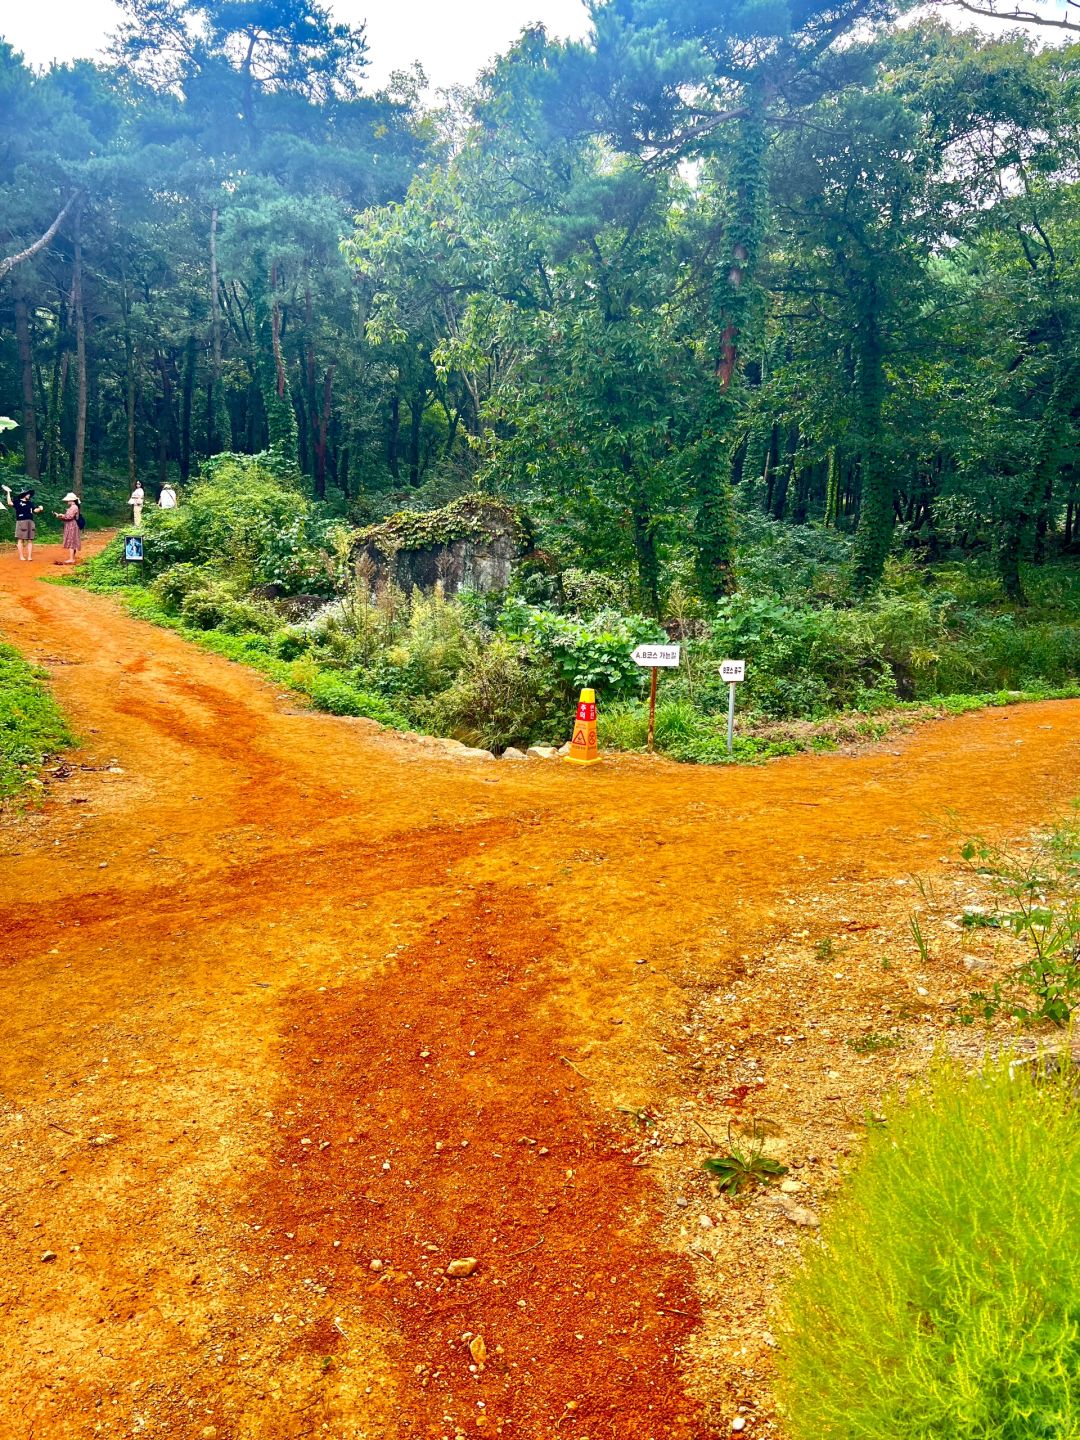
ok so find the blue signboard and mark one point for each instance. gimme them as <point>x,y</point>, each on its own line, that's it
<point>133,547</point>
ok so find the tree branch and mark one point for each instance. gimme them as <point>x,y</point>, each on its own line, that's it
<point>8,263</point>
<point>992,11</point>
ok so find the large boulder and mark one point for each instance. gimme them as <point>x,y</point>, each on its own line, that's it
<point>471,544</point>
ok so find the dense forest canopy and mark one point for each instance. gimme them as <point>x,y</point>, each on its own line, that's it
<point>790,259</point>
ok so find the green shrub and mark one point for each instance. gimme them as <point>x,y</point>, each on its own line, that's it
<point>592,653</point>
<point>943,1302</point>
<point>503,696</point>
<point>31,725</point>
<point>246,519</point>
<point>433,648</point>
<point>215,606</point>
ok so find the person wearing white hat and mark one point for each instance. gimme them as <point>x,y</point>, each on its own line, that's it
<point>73,527</point>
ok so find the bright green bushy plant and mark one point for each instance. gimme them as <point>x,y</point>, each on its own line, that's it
<point>594,653</point>
<point>245,517</point>
<point>943,1301</point>
<point>31,725</point>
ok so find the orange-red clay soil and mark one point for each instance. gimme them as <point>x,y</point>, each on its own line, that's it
<point>295,1012</point>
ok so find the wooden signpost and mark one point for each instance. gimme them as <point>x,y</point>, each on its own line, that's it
<point>656,657</point>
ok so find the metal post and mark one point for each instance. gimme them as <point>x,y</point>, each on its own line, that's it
<point>652,709</point>
<point>730,717</point>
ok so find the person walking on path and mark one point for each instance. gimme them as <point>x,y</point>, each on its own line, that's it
<point>73,526</point>
<point>25,526</point>
<point>135,500</point>
<point>168,498</point>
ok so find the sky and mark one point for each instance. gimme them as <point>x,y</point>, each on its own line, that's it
<point>453,42</point>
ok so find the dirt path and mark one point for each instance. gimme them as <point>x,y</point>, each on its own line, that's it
<point>295,1011</point>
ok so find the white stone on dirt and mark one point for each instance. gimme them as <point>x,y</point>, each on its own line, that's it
<point>513,753</point>
<point>542,752</point>
<point>738,1423</point>
<point>461,1269</point>
<point>49,1255</point>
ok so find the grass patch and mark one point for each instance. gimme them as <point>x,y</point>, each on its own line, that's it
<point>31,725</point>
<point>944,1297</point>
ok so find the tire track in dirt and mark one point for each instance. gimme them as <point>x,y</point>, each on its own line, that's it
<point>460,1132</point>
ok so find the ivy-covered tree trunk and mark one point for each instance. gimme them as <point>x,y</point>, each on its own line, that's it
<point>876,512</point>
<point>716,520</point>
<point>283,436</point>
<point>648,563</point>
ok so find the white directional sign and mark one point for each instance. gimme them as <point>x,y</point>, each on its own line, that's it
<point>664,656</point>
<point>732,671</point>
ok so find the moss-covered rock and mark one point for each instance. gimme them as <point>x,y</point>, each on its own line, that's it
<point>473,543</point>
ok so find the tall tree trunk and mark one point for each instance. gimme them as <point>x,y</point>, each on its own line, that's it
<point>648,564</point>
<point>167,419</point>
<point>876,513</point>
<point>185,408</point>
<point>394,435</point>
<point>132,397</point>
<point>320,442</point>
<point>57,389</point>
<point>786,471</point>
<point>214,398</point>
<point>416,420</point>
<point>80,363</point>
<point>26,380</point>
<point>832,491</point>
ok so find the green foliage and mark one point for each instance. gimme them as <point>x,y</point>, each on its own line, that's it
<point>1037,896</point>
<point>743,1164</point>
<point>503,696</point>
<point>31,725</point>
<point>472,517</point>
<point>942,1299</point>
<point>594,652</point>
<point>240,518</point>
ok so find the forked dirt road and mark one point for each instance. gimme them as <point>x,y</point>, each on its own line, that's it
<point>284,996</point>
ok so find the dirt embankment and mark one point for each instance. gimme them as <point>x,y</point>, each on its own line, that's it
<point>284,996</point>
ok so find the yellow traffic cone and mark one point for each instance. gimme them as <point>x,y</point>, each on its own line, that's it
<point>583,747</point>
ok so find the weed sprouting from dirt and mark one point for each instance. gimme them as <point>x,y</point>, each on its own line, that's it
<point>825,950</point>
<point>743,1165</point>
<point>875,1042</point>
<point>1037,895</point>
<point>919,937</point>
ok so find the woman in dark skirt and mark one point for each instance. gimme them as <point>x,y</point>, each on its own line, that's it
<point>72,541</point>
